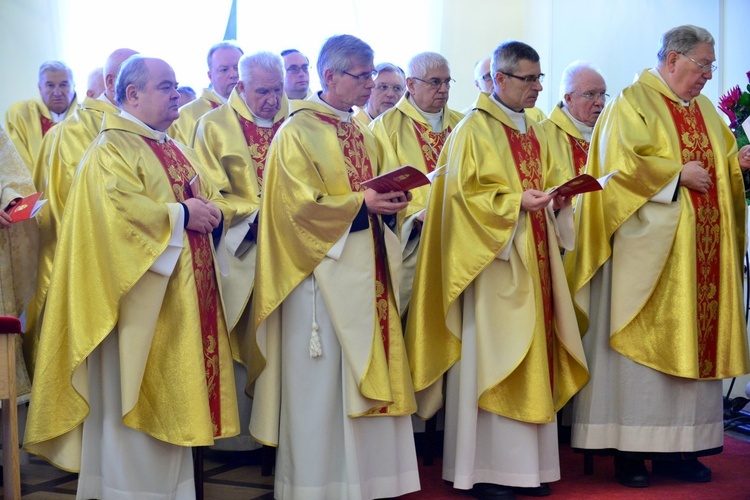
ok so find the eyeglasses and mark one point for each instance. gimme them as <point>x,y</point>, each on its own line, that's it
<point>294,69</point>
<point>383,87</point>
<point>705,68</point>
<point>436,83</point>
<point>487,77</point>
<point>593,95</point>
<point>526,79</point>
<point>362,78</point>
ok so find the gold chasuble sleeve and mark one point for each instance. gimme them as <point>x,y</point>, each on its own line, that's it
<point>475,213</point>
<point>677,307</point>
<point>19,242</point>
<point>119,218</point>
<point>309,202</point>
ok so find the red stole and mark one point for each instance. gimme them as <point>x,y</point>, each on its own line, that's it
<point>580,154</point>
<point>430,143</point>
<point>359,169</point>
<point>695,145</point>
<point>527,157</point>
<point>214,105</point>
<point>179,172</point>
<point>258,139</point>
<point>46,124</point>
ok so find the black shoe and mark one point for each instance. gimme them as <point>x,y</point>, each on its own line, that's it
<point>631,473</point>
<point>489,491</point>
<point>691,470</point>
<point>542,490</point>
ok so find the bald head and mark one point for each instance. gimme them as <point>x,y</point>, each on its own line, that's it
<point>111,67</point>
<point>95,83</point>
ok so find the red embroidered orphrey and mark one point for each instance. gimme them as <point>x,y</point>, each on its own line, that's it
<point>430,143</point>
<point>527,157</point>
<point>580,154</point>
<point>695,145</point>
<point>359,169</point>
<point>46,124</point>
<point>258,139</point>
<point>179,172</point>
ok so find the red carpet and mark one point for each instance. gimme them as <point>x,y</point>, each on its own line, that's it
<point>731,479</point>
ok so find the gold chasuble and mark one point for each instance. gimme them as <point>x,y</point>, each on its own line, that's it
<point>569,149</point>
<point>27,122</point>
<point>232,149</point>
<point>530,360</point>
<point>406,133</point>
<point>63,149</point>
<point>678,307</point>
<point>311,197</point>
<point>183,128</point>
<point>176,373</point>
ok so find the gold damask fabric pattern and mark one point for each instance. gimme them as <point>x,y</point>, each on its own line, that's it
<point>636,134</point>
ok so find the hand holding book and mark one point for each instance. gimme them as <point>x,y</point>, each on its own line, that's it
<point>583,183</point>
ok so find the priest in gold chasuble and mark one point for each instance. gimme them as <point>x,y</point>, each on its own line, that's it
<point>62,151</point>
<point>232,143</point>
<point>134,365</point>
<point>657,272</point>
<point>414,131</point>
<point>330,374</point>
<point>490,308</point>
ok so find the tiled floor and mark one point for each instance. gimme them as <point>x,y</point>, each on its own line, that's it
<point>227,476</point>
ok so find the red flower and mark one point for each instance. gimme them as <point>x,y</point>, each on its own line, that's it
<point>729,101</point>
<point>748,76</point>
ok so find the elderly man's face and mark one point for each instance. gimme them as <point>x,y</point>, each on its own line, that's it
<point>263,93</point>
<point>56,88</point>
<point>484,80</point>
<point>516,93</point>
<point>156,105</point>
<point>426,94</point>
<point>223,72</point>
<point>587,99</point>
<point>686,75</point>
<point>297,76</point>
<point>389,87</point>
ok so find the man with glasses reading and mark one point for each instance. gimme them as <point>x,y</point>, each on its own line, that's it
<point>656,273</point>
<point>297,74</point>
<point>334,393</point>
<point>571,123</point>
<point>491,309</point>
<point>483,81</point>
<point>414,131</point>
<point>389,87</point>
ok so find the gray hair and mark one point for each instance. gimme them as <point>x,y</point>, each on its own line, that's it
<point>267,61</point>
<point>339,53</point>
<point>132,72</point>
<point>419,64</point>
<point>683,40</point>
<point>477,67</point>
<point>569,75</point>
<point>507,56</point>
<point>54,66</point>
<point>386,67</point>
<point>226,44</point>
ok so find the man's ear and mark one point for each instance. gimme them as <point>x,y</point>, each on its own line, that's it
<point>131,94</point>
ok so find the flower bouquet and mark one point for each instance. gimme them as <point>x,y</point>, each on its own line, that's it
<point>736,105</point>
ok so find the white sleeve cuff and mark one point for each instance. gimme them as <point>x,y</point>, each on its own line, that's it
<point>165,263</point>
<point>338,247</point>
<point>505,254</point>
<point>236,243</point>
<point>665,195</point>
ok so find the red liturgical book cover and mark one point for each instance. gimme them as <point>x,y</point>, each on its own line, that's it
<point>402,179</point>
<point>583,183</point>
<point>26,208</point>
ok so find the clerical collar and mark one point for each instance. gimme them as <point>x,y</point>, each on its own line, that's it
<point>261,122</point>
<point>656,73</point>
<point>160,136</point>
<point>103,97</point>
<point>344,116</point>
<point>434,119</point>
<point>518,118</point>
<point>584,129</point>
<point>364,110</point>
<point>57,118</point>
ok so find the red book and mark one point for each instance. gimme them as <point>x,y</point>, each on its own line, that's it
<point>401,179</point>
<point>26,208</point>
<point>583,183</point>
